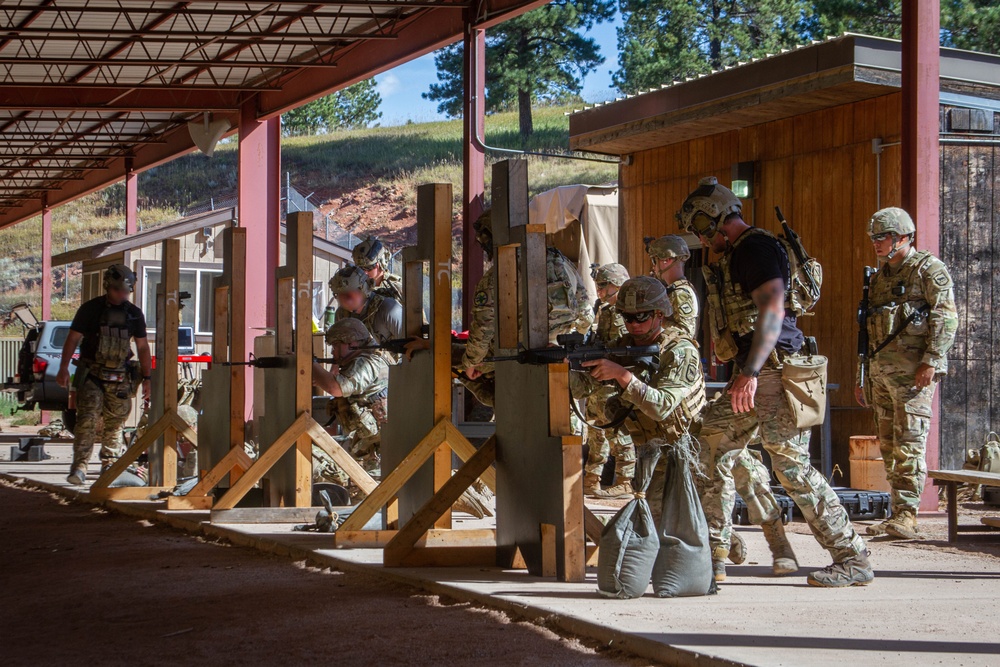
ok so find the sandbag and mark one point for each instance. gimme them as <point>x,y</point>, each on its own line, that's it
<point>683,565</point>
<point>629,542</point>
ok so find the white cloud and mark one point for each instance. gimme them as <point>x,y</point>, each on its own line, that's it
<point>387,84</point>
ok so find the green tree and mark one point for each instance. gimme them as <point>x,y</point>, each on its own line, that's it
<point>353,107</point>
<point>663,40</point>
<point>538,57</point>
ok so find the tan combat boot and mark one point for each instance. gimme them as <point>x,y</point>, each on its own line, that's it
<point>737,548</point>
<point>592,485</point>
<point>903,525</point>
<point>784,558</point>
<point>877,529</point>
<point>855,570</point>
<point>620,490</point>
<point>719,555</point>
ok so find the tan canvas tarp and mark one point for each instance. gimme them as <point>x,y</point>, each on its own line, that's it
<point>582,222</point>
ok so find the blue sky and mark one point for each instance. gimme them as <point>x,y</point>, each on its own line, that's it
<point>402,86</point>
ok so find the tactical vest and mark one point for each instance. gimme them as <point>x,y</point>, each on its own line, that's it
<point>568,301</point>
<point>113,340</point>
<point>610,325</point>
<point>732,311</point>
<point>643,428</point>
<point>392,287</point>
<point>366,414</point>
<point>892,299</point>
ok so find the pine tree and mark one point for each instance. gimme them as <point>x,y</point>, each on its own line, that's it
<point>353,107</point>
<point>664,40</point>
<point>538,57</point>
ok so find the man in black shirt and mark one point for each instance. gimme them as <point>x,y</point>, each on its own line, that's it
<point>751,325</point>
<point>106,375</point>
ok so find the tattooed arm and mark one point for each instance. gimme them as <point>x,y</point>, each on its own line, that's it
<point>770,300</point>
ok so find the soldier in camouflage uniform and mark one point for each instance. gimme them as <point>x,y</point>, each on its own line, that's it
<point>372,257</point>
<point>666,403</point>
<point>904,374</point>
<point>382,315</point>
<point>358,383</point>
<point>602,443</point>
<point>569,311</point>
<point>752,324</point>
<point>741,471</point>
<point>106,377</point>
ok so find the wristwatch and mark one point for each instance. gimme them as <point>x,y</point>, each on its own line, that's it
<point>750,375</point>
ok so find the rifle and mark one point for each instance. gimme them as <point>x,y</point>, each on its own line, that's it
<point>800,252</point>
<point>863,327</point>
<point>575,348</point>
<point>261,362</point>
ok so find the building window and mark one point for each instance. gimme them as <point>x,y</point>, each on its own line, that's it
<point>197,311</point>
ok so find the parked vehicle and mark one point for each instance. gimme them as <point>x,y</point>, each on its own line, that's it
<point>34,384</point>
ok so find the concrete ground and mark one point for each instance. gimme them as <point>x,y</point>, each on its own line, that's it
<point>931,602</point>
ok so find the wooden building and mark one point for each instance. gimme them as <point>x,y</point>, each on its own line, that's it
<point>819,126</point>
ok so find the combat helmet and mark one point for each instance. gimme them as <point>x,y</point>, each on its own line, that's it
<point>348,330</point>
<point>705,208</point>
<point>668,247</point>
<point>483,228</point>
<point>350,278</point>
<point>119,276</point>
<point>642,294</point>
<point>371,253</point>
<point>891,220</point>
<point>611,274</point>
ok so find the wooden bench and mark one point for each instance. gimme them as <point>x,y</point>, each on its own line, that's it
<point>951,479</point>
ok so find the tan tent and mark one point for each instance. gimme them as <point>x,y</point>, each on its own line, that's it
<point>582,222</point>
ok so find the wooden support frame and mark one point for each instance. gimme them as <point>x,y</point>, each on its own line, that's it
<point>291,477</point>
<point>426,537</point>
<point>540,509</point>
<point>228,344</point>
<point>163,460</point>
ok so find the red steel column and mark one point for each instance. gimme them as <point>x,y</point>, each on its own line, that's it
<point>473,160</point>
<point>46,263</point>
<point>259,212</point>
<point>131,200</point>
<point>920,153</point>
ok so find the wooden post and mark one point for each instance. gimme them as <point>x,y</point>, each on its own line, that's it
<point>540,511</point>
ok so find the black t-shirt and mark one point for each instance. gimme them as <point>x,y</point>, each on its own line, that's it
<point>98,312</point>
<point>756,260</point>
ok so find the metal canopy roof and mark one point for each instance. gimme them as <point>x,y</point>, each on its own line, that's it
<point>92,89</point>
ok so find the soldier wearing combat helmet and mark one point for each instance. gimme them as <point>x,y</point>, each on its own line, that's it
<point>753,324</point>
<point>356,298</point>
<point>358,383</point>
<point>372,257</point>
<point>666,402</point>
<point>911,322</point>
<point>616,442</point>
<point>106,375</point>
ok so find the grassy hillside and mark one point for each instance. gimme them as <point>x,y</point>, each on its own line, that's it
<point>366,179</point>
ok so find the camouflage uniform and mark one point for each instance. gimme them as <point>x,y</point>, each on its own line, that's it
<point>733,313</point>
<point>382,316</point>
<point>569,311</point>
<point>602,443</point>
<point>392,287</point>
<point>361,413</point>
<point>104,388</point>
<point>903,412</point>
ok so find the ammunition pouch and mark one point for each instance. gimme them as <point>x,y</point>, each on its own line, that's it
<point>803,379</point>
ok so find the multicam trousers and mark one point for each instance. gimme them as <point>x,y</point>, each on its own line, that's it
<point>95,400</point>
<point>724,431</point>
<point>603,443</point>
<point>902,419</point>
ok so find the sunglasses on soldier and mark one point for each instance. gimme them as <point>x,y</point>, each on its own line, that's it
<point>631,318</point>
<point>878,238</point>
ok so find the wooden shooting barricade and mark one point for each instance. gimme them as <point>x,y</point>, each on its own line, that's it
<point>166,423</point>
<point>418,440</point>
<point>221,456</point>
<point>540,507</point>
<point>288,429</point>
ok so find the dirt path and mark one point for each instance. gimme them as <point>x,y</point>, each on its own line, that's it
<point>86,587</point>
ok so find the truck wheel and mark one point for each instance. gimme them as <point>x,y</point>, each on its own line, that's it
<point>69,420</point>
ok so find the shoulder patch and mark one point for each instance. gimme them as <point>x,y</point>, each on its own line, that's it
<point>941,279</point>
<point>691,370</point>
<point>686,308</point>
<point>480,299</point>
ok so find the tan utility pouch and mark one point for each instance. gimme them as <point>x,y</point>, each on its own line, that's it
<point>804,382</point>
